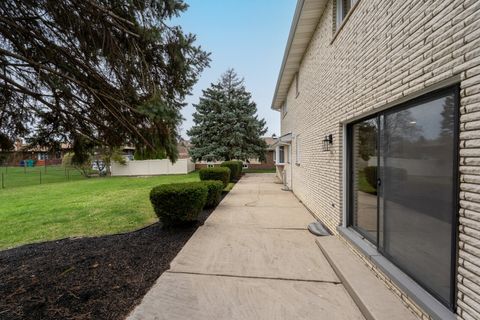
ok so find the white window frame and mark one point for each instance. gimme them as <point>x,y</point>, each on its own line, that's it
<point>42,156</point>
<point>278,152</point>
<point>341,13</point>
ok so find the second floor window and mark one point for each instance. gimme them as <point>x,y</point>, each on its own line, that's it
<point>343,8</point>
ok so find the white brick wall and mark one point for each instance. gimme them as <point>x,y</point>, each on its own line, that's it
<point>389,50</point>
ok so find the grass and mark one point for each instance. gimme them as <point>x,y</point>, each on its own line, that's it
<point>229,187</point>
<point>363,184</point>
<point>87,207</point>
<point>259,170</point>
<point>14,177</point>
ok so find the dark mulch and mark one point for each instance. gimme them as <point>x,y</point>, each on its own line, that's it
<point>87,278</point>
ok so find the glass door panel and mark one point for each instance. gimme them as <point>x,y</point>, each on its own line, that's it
<point>364,178</point>
<point>403,188</point>
<point>417,198</point>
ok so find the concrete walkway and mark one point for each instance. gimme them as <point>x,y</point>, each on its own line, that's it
<point>253,259</point>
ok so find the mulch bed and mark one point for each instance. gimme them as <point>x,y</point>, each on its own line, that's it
<point>87,278</point>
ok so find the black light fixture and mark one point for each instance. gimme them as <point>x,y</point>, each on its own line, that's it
<point>327,142</point>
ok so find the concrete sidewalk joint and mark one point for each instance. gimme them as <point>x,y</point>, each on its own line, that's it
<point>251,277</point>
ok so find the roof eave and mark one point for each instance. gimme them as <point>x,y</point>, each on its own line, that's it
<point>291,35</point>
<point>307,15</point>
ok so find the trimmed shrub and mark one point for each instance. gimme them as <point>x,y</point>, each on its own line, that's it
<point>240,166</point>
<point>178,203</point>
<point>218,173</point>
<point>215,188</point>
<point>235,169</point>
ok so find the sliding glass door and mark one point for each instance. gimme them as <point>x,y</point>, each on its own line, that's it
<point>364,215</point>
<point>403,186</point>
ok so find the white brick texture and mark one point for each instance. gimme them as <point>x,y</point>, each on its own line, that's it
<point>388,50</point>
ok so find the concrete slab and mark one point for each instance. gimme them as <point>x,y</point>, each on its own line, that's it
<point>248,190</point>
<point>257,181</point>
<point>253,259</point>
<point>277,200</point>
<point>258,177</point>
<point>261,217</point>
<point>373,298</point>
<point>254,252</point>
<point>185,296</point>
<point>261,186</point>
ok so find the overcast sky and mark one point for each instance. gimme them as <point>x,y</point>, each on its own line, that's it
<point>247,35</point>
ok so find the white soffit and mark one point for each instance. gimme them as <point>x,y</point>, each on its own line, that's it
<point>305,21</point>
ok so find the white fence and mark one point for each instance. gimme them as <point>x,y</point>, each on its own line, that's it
<point>152,167</point>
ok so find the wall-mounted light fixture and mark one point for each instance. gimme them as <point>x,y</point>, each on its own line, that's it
<point>327,142</point>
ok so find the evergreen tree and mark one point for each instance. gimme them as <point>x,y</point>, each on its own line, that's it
<point>104,71</point>
<point>448,118</point>
<point>226,125</point>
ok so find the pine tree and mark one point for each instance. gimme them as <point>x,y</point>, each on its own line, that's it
<point>109,72</point>
<point>226,125</point>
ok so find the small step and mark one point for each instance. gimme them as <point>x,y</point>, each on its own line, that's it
<point>372,297</point>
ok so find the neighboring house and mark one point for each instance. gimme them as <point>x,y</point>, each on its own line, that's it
<point>23,151</point>
<point>380,118</point>
<point>183,146</point>
<point>43,155</point>
<point>269,162</point>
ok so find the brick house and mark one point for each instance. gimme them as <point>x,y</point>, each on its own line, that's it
<point>380,121</point>
<point>40,155</point>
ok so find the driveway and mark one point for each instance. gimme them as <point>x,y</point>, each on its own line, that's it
<point>253,259</point>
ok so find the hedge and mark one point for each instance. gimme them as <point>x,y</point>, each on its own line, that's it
<point>215,188</point>
<point>219,173</point>
<point>235,169</point>
<point>178,203</point>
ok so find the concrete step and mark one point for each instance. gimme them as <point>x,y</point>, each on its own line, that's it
<point>372,297</point>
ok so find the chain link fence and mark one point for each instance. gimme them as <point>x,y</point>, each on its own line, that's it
<point>21,176</point>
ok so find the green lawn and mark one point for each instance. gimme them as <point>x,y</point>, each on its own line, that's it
<point>363,184</point>
<point>14,177</point>
<point>229,187</point>
<point>86,207</point>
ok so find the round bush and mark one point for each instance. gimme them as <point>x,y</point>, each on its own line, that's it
<point>178,203</point>
<point>235,169</point>
<point>215,188</point>
<point>218,173</point>
<point>240,168</point>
